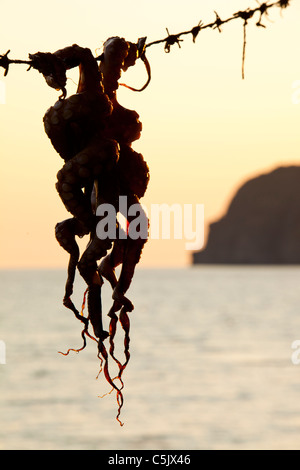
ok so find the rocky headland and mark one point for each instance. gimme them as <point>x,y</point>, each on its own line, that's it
<point>262,223</point>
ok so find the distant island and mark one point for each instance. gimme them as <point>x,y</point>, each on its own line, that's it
<point>262,224</point>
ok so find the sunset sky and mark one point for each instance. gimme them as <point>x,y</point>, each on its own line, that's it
<point>205,130</point>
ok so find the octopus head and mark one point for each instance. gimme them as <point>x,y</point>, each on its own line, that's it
<point>118,55</point>
<point>115,51</point>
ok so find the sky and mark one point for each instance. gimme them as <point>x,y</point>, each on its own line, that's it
<point>205,130</point>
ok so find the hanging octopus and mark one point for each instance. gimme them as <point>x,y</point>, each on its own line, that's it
<point>93,134</point>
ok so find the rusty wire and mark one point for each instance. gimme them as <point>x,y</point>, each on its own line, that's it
<point>244,15</point>
<point>262,10</point>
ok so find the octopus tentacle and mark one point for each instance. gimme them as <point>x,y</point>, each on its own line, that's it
<point>93,133</point>
<point>65,232</point>
<point>87,267</point>
<point>87,165</point>
<point>112,333</point>
<point>125,322</point>
<point>84,332</point>
<point>102,354</point>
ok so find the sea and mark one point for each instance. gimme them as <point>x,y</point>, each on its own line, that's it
<point>214,363</point>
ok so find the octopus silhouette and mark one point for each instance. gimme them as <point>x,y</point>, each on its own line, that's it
<point>93,134</point>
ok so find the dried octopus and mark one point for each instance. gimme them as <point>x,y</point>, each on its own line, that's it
<point>93,134</point>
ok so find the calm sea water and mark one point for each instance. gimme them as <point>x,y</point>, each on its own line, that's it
<point>210,363</point>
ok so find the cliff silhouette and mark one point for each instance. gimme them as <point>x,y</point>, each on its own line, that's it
<point>262,224</point>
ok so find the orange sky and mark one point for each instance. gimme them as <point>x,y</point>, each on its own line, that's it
<point>205,130</point>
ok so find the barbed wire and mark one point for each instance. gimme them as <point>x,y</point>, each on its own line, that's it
<point>245,15</point>
<point>171,39</point>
